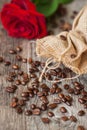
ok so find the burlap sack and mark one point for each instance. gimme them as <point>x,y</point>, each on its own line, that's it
<point>70,48</point>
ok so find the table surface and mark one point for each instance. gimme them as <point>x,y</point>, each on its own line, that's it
<point>9,119</point>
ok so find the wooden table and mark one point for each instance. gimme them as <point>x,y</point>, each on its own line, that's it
<point>9,119</point>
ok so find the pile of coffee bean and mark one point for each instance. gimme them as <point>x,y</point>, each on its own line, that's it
<point>42,91</point>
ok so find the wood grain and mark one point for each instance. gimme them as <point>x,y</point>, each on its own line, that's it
<point>9,120</point>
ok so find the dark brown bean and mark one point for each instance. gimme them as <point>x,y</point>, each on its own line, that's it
<point>36,111</point>
<point>19,110</point>
<point>71,90</point>
<point>61,95</point>
<point>45,120</point>
<point>28,113</point>
<point>17,82</point>
<point>13,104</point>
<point>18,49</point>
<point>33,106</point>
<point>18,58</point>
<point>50,114</point>
<point>37,63</point>
<point>25,94</point>
<point>76,92</point>
<point>82,100</point>
<point>12,74</point>
<point>14,99</point>
<point>66,86</point>
<point>35,91</point>
<point>64,118</point>
<point>53,72</point>
<point>68,103</point>
<point>7,63</point>
<point>63,37</point>
<point>76,83</point>
<point>85,106</point>
<point>63,109</point>
<point>20,72</point>
<point>15,67</point>
<point>23,82</point>
<point>33,76</point>
<point>30,60</point>
<point>10,79</point>
<point>52,90</point>
<point>81,113</point>
<point>84,93</point>
<point>57,100</point>
<point>52,105</point>
<point>80,127</point>
<point>58,90</point>
<point>40,94</point>
<point>68,98</point>
<point>44,107</point>
<point>24,60</point>
<point>44,99</point>
<point>1,59</point>
<point>11,89</point>
<point>73,118</point>
<point>12,51</point>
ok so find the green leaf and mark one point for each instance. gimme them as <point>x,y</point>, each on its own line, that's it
<point>65,1</point>
<point>48,8</point>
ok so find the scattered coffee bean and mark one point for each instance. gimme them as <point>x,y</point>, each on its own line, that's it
<point>66,86</point>
<point>14,99</point>
<point>7,63</point>
<point>11,89</point>
<point>20,72</point>
<point>33,106</point>
<point>15,67</point>
<point>30,60</point>
<point>19,110</point>
<point>52,105</point>
<point>18,49</point>
<point>81,113</point>
<point>1,59</point>
<point>63,109</point>
<point>13,104</point>
<point>21,102</point>
<point>12,74</point>
<point>36,111</point>
<point>44,107</point>
<point>24,60</point>
<point>12,51</point>
<point>17,82</point>
<point>45,120</point>
<point>71,90</point>
<point>73,118</point>
<point>85,106</point>
<point>57,100</point>
<point>25,94</point>
<point>64,118</point>
<point>10,79</point>
<point>82,100</point>
<point>28,113</point>
<point>50,114</point>
<point>18,58</point>
<point>80,127</point>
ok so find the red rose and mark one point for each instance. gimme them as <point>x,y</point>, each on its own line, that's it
<point>21,19</point>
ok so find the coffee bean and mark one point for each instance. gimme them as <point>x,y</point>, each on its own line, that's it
<point>13,104</point>
<point>1,59</point>
<point>7,63</point>
<point>85,106</point>
<point>76,83</point>
<point>14,99</point>
<point>20,72</point>
<point>58,90</point>
<point>63,110</point>
<point>76,92</point>
<point>52,106</point>
<point>17,82</point>
<point>45,87</point>
<point>68,98</point>
<point>11,89</point>
<point>55,86</point>
<point>68,103</point>
<point>12,74</point>
<point>73,118</point>
<point>53,72</point>
<point>52,90</point>
<point>66,86</point>
<point>57,100</point>
<point>61,95</point>
<point>45,120</point>
<point>15,67</point>
<point>84,93</point>
<point>25,94</point>
<point>82,100</point>
<point>80,127</point>
<point>81,113</point>
<point>33,106</point>
<point>36,111</point>
<point>18,49</point>
<point>35,91</point>
<point>33,76</point>
<point>40,94</point>
<point>64,118</point>
<point>12,51</point>
<point>44,99</point>
<point>25,98</point>
<point>50,114</point>
<point>44,107</point>
<point>19,110</point>
<point>18,58</point>
<point>63,37</point>
<point>23,82</point>
<point>28,113</point>
<point>37,63</point>
<point>63,75</point>
<point>10,79</point>
<point>71,90</point>
<point>79,87</point>
<point>30,60</point>
<point>21,102</point>
<point>24,60</point>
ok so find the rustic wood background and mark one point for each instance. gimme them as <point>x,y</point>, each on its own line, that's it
<point>9,120</point>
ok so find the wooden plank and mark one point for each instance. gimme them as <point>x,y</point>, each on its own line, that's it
<point>9,120</point>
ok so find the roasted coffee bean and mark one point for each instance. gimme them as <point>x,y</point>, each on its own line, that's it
<point>30,60</point>
<point>11,89</point>
<point>19,110</point>
<point>18,58</point>
<point>66,86</point>
<point>63,109</point>
<point>12,51</point>
<point>68,98</point>
<point>31,95</point>
<point>82,100</point>
<point>79,87</point>
<point>14,99</point>
<point>45,87</point>
<point>63,37</point>
<point>55,86</point>
<point>37,63</point>
<point>25,98</point>
<point>85,106</point>
<point>28,112</point>
<point>1,59</point>
<point>58,90</point>
<point>12,74</point>
<point>44,107</point>
<point>52,90</point>
<point>76,92</point>
<point>73,118</point>
<point>44,99</point>
<point>21,102</point>
<point>76,83</point>
<point>33,106</point>
<point>61,95</point>
<point>13,104</point>
<point>35,91</point>
<point>31,70</point>
<point>45,120</point>
<point>63,75</point>
<point>81,113</point>
<point>53,72</point>
<point>57,100</point>
<point>84,93</point>
<point>52,105</point>
<point>36,111</point>
<point>68,103</point>
<point>64,118</point>
<point>18,49</point>
<point>17,82</point>
<point>25,94</point>
<point>48,76</point>
<point>33,76</point>
<point>71,90</point>
<point>10,79</point>
<point>7,63</point>
<point>80,127</point>
<point>50,114</point>
<point>23,82</point>
<point>15,67</point>
<point>25,76</point>
<point>20,72</point>
<point>40,94</point>
<point>24,60</point>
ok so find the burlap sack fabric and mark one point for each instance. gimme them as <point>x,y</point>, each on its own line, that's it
<point>70,48</point>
